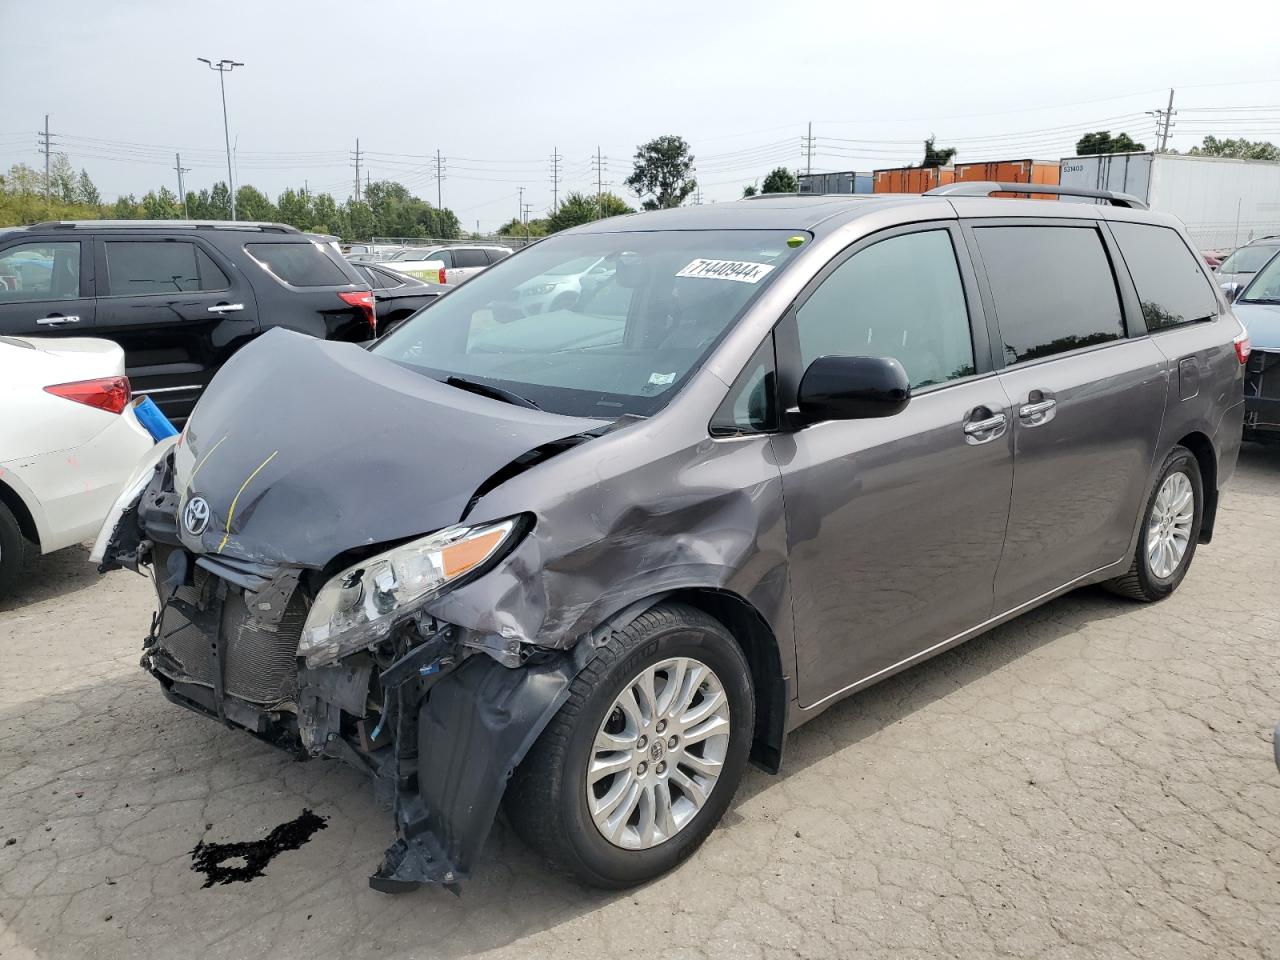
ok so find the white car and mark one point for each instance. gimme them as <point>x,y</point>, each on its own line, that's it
<point>68,441</point>
<point>562,287</point>
<point>448,265</point>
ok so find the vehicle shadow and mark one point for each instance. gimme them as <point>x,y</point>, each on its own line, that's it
<point>56,574</point>
<point>132,793</point>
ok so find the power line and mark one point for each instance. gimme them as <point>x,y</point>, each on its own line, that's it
<point>356,156</point>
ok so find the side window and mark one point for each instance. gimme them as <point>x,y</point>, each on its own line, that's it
<point>40,271</point>
<point>900,298</point>
<point>384,280</point>
<point>151,266</point>
<point>751,406</point>
<point>1171,286</point>
<point>495,255</point>
<point>444,256</point>
<point>469,258</point>
<point>1053,289</point>
<point>211,275</point>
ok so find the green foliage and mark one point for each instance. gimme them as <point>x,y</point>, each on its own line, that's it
<point>86,192</point>
<point>1239,149</point>
<point>780,180</point>
<point>663,173</point>
<point>514,228</point>
<point>749,190</point>
<point>936,156</point>
<point>252,204</point>
<point>1103,142</point>
<point>161,205</point>
<point>579,208</point>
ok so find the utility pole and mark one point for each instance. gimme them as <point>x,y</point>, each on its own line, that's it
<point>1164,121</point>
<point>46,146</point>
<point>182,191</point>
<point>527,207</point>
<point>224,67</point>
<point>808,151</point>
<point>439,179</point>
<point>356,157</point>
<point>555,179</point>
<point>598,163</point>
<point>520,211</point>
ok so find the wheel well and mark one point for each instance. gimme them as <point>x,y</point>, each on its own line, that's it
<point>26,523</point>
<point>1202,447</point>
<point>768,679</point>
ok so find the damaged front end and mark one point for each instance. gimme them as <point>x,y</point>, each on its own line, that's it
<point>433,717</point>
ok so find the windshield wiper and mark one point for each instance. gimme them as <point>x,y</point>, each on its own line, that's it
<point>489,390</point>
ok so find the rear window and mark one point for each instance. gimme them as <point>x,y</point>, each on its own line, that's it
<point>298,264</point>
<point>1171,286</point>
<point>1053,289</point>
<point>470,258</point>
<point>495,255</point>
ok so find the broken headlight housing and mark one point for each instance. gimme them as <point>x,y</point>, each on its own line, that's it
<point>355,609</point>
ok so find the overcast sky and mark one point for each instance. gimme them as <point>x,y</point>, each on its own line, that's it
<point>498,86</point>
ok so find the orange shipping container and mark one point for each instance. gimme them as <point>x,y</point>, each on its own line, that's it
<point>1011,171</point>
<point>912,179</point>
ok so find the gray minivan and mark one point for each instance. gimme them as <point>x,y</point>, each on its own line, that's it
<point>593,560</point>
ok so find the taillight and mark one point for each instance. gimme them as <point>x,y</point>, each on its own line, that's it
<point>107,393</point>
<point>442,279</point>
<point>1243,347</point>
<point>364,300</point>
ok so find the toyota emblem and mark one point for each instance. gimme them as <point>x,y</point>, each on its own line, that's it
<point>196,517</point>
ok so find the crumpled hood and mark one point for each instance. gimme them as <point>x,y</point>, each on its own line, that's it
<point>1262,320</point>
<point>306,448</point>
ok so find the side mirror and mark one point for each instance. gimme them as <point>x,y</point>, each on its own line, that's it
<point>853,388</point>
<point>1232,290</point>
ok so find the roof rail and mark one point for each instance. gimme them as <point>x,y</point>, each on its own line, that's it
<point>984,188</point>
<point>170,224</point>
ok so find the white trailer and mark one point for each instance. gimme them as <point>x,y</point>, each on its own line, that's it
<point>1224,203</point>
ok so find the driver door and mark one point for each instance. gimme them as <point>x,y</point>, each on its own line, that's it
<point>895,525</point>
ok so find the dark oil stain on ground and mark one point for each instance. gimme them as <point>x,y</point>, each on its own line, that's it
<point>210,858</point>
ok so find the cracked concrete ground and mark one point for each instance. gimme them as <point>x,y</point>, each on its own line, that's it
<point>1093,780</point>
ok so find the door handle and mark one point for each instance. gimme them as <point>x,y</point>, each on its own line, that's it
<point>1034,414</point>
<point>226,307</point>
<point>988,428</point>
<point>56,321</point>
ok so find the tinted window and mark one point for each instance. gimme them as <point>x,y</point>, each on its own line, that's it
<point>40,271</point>
<point>899,298</point>
<point>1171,286</point>
<point>384,279</point>
<point>211,275</point>
<point>1053,289</point>
<point>496,255</point>
<point>157,266</point>
<point>298,264</point>
<point>469,258</point>
<point>751,406</point>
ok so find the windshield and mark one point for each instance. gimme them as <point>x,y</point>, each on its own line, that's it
<point>595,325</point>
<point>1265,286</point>
<point>1249,259</point>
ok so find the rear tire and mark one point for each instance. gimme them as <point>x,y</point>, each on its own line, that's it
<point>16,552</point>
<point>557,810</point>
<point>1152,575</point>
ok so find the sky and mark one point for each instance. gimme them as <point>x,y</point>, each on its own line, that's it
<point>500,87</point>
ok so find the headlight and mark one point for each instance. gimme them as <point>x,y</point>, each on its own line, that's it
<point>537,290</point>
<point>356,607</point>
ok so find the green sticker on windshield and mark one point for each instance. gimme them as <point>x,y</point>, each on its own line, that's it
<point>795,241</point>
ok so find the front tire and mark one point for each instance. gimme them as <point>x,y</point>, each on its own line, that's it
<point>1170,530</point>
<point>643,759</point>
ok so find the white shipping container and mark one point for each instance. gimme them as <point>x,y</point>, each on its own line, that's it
<point>1224,203</point>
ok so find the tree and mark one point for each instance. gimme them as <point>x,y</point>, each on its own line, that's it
<point>936,156</point>
<point>294,208</point>
<point>780,180</point>
<point>1240,149</point>
<point>579,208</point>
<point>749,190</point>
<point>324,214</point>
<point>219,206</point>
<point>516,228</point>
<point>663,172</point>
<point>62,178</point>
<point>1103,142</point>
<point>126,208</point>
<point>86,192</point>
<point>162,205</point>
<point>252,204</point>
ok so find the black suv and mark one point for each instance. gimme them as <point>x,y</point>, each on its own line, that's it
<point>180,296</point>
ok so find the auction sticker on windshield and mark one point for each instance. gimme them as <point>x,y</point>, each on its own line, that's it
<point>742,271</point>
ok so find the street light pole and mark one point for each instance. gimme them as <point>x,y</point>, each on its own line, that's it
<point>224,67</point>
